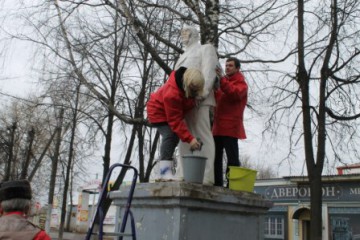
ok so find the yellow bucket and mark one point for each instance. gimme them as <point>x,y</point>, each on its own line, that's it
<point>241,179</point>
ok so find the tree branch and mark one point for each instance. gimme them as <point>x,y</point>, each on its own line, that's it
<point>341,118</point>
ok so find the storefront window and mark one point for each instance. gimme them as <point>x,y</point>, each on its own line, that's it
<point>274,227</point>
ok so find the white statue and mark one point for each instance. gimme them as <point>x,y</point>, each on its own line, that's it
<point>204,58</point>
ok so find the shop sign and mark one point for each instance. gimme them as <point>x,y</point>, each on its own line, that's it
<point>335,192</point>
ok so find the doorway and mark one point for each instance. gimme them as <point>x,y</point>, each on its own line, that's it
<point>303,217</point>
<point>305,229</point>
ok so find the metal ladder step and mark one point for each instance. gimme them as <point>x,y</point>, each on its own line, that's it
<point>115,234</point>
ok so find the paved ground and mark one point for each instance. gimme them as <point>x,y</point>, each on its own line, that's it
<point>67,236</point>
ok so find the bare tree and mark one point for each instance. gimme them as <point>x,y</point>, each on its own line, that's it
<point>28,156</point>
<point>69,163</point>
<point>54,167</point>
<point>79,33</point>
<point>155,38</point>
<point>28,142</point>
<point>10,164</point>
<point>85,39</point>
<point>321,92</point>
<point>263,171</point>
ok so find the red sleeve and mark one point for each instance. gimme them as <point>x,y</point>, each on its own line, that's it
<point>235,89</point>
<point>173,105</point>
<point>217,94</point>
<point>42,236</point>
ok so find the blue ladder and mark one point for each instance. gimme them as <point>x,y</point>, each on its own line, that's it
<point>104,194</point>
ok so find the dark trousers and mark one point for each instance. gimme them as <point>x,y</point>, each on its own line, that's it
<point>230,144</point>
<point>169,141</point>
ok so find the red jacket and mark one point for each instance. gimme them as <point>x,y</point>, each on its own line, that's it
<point>42,236</point>
<point>169,104</point>
<point>231,99</point>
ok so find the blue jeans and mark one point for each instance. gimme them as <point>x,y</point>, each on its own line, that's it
<point>169,141</point>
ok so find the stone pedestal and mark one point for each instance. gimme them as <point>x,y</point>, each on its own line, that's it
<point>179,211</point>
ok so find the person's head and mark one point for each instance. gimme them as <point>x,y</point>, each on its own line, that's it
<point>189,35</point>
<point>232,66</point>
<point>15,196</point>
<point>193,83</point>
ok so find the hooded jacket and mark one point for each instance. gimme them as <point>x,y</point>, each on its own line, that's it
<point>231,99</point>
<point>169,104</point>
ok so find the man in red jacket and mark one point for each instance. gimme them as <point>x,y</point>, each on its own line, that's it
<point>166,110</point>
<point>228,126</point>
<point>15,202</point>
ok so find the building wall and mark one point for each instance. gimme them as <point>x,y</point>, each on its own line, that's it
<point>291,210</point>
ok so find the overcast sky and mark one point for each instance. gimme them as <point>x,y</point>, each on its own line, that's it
<point>16,57</point>
<point>18,78</point>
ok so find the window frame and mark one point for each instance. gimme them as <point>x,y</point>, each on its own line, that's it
<point>274,227</point>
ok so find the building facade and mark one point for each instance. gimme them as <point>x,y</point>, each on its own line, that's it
<point>289,218</point>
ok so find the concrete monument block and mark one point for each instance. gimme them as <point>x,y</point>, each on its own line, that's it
<point>180,210</point>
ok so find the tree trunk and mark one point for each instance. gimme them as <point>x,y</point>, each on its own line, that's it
<point>68,219</point>
<point>120,178</point>
<point>54,166</point>
<point>11,153</point>
<point>38,162</point>
<point>69,164</point>
<point>313,174</point>
<point>25,167</point>
<point>316,209</point>
<point>152,147</point>
<point>107,147</point>
<point>140,133</point>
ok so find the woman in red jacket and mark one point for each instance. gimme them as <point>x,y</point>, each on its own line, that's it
<point>228,127</point>
<point>166,109</point>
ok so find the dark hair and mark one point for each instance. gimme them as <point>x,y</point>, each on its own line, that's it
<point>235,60</point>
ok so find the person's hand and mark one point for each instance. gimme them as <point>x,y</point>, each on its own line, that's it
<point>195,144</point>
<point>219,72</point>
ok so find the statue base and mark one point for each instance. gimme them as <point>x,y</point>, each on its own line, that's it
<point>180,210</point>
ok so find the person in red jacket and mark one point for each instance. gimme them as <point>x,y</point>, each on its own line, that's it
<point>228,126</point>
<point>15,202</point>
<point>166,109</point>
